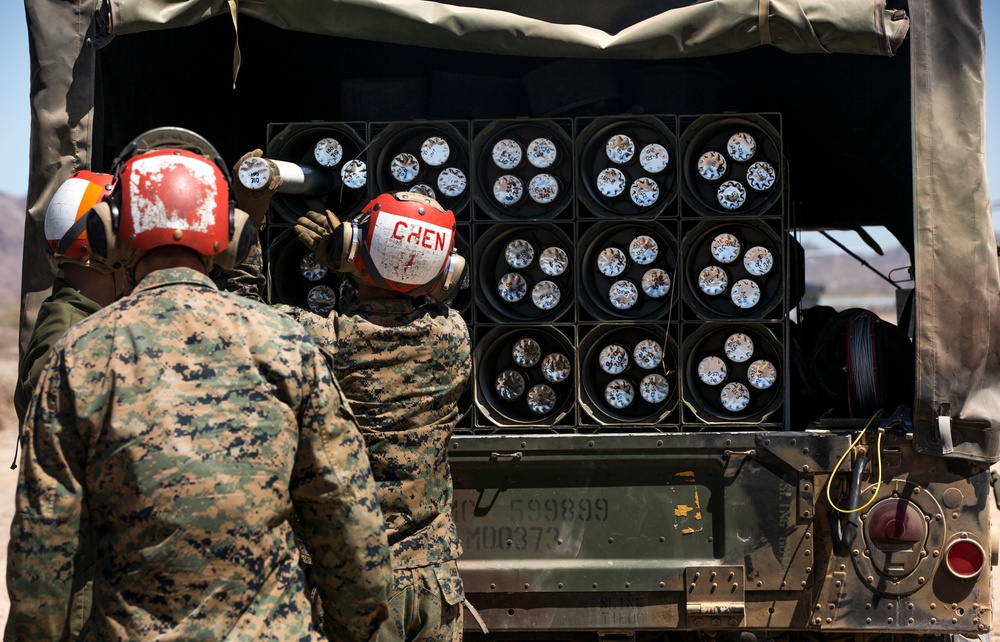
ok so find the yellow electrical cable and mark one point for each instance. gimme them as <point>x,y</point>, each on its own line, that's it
<point>878,481</point>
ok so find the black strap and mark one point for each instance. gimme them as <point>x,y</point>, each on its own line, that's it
<point>78,226</point>
<point>366,259</point>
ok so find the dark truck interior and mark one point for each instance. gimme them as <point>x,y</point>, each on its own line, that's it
<point>843,129</point>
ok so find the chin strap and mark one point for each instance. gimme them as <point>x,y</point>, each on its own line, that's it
<point>119,277</point>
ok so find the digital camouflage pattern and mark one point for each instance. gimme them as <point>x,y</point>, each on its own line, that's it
<point>425,604</point>
<point>63,309</point>
<point>403,368</point>
<point>247,278</point>
<point>186,427</point>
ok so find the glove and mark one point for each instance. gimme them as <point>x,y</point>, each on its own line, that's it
<point>255,201</point>
<point>326,238</point>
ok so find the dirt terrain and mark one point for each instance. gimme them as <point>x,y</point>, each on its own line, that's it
<point>8,439</point>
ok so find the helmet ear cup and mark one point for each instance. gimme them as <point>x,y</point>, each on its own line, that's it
<point>102,234</point>
<point>450,282</point>
<point>240,242</point>
<point>344,247</point>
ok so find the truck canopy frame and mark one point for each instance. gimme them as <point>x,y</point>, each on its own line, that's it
<point>949,233</point>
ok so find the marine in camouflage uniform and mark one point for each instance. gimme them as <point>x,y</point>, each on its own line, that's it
<point>60,311</point>
<point>403,369</point>
<point>403,362</point>
<point>65,308</point>
<point>83,286</point>
<point>185,426</point>
<point>181,431</point>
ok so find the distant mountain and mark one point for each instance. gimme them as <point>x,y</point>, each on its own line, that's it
<point>837,271</point>
<point>12,213</point>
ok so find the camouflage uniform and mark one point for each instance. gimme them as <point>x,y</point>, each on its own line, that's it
<point>403,368</point>
<point>185,428</point>
<point>62,309</point>
<point>247,278</point>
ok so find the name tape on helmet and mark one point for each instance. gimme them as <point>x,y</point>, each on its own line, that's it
<point>409,251</point>
<point>190,184</point>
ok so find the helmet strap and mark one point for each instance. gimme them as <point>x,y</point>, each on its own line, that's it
<point>366,260</point>
<point>78,226</point>
<point>119,277</point>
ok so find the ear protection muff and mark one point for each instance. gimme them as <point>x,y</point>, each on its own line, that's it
<point>240,242</point>
<point>447,286</point>
<point>102,233</point>
<point>346,239</point>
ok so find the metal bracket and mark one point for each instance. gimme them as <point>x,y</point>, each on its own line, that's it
<point>734,461</point>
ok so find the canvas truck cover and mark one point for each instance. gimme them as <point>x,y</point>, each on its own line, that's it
<point>958,363</point>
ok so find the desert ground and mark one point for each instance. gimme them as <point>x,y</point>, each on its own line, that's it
<point>8,438</point>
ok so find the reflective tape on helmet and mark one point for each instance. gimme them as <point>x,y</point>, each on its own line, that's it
<point>71,201</point>
<point>408,251</point>
<point>193,190</point>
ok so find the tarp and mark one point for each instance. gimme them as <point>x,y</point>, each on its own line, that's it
<point>957,289</point>
<point>584,28</point>
<point>957,280</point>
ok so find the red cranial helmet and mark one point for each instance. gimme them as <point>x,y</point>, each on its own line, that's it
<point>406,243</point>
<point>65,229</point>
<point>174,197</point>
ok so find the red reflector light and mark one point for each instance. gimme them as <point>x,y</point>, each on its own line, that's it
<point>965,558</point>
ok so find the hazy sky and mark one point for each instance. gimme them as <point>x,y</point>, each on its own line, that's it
<point>16,118</point>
